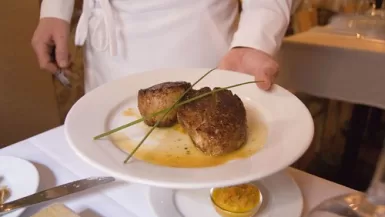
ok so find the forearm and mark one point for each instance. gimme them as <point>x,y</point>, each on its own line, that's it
<point>61,9</point>
<point>263,24</point>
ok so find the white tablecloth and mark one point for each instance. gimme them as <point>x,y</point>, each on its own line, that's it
<point>58,164</point>
<point>334,66</point>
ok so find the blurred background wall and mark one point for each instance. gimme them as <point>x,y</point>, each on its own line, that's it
<point>31,101</point>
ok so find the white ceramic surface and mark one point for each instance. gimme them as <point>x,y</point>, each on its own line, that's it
<point>21,177</point>
<point>290,130</point>
<point>281,197</point>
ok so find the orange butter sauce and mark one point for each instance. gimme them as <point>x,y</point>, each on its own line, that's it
<point>174,147</point>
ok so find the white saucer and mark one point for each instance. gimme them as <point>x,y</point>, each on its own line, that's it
<point>281,197</point>
<point>21,177</point>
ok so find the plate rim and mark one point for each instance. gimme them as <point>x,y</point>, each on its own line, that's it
<point>180,185</point>
<point>33,168</point>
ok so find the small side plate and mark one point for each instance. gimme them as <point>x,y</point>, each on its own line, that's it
<point>21,177</point>
<point>282,197</point>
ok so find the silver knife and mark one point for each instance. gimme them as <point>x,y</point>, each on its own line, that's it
<point>54,193</point>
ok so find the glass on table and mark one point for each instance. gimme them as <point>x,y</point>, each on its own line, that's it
<point>368,204</point>
<point>373,10</point>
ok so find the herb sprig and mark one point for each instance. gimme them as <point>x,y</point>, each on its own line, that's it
<point>165,114</point>
<point>167,111</point>
<point>164,110</point>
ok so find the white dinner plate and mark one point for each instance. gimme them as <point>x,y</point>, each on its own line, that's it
<point>288,122</point>
<point>21,177</point>
<point>281,197</point>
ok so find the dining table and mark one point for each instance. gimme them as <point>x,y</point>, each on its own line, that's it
<point>333,63</point>
<point>57,164</point>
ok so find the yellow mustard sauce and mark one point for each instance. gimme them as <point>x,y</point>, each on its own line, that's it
<point>237,199</point>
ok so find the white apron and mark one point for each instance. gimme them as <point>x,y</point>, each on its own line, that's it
<point>131,36</point>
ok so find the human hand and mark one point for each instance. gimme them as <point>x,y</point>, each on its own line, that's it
<point>252,62</point>
<point>52,33</point>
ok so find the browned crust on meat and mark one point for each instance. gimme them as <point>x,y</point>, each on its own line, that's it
<point>217,123</point>
<point>159,97</point>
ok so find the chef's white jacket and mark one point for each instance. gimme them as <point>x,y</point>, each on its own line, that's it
<point>130,36</point>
